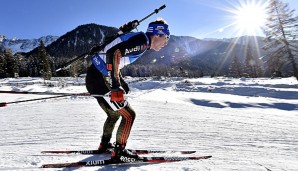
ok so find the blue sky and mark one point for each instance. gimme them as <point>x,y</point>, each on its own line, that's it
<point>197,18</point>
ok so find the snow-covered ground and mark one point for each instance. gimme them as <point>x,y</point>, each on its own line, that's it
<point>245,124</point>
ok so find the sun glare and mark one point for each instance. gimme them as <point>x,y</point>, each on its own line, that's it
<point>249,17</point>
<point>244,18</point>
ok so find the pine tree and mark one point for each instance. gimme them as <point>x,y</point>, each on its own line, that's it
<point>22,65</point>
<point>32,66</point>
<point>281,33</point>
<point>75,68</point>
<point>252,66</point>
<point>46,69</point>
<point>235,69</point>
<point>11,65</point>
<point>2,66</point>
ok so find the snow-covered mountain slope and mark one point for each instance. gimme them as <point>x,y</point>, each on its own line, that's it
<point>25,45</point>
<point>245,124</point>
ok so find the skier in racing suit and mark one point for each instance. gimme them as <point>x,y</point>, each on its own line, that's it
<point>104,78</point>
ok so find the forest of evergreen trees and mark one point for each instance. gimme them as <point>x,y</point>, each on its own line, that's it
<point>43,65</point>
<point>40,65</point>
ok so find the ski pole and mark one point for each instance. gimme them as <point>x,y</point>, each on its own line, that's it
<point>50,93</point>
<point>3,104</point>
<point>124,29</point>
<point>44,93</point>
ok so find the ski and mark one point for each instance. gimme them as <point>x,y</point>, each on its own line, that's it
<point>91,152</point>
<point>124,160</point>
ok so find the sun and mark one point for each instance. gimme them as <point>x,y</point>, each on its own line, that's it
<point>250,17</point>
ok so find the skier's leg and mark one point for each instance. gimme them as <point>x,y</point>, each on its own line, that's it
<point>96,84</point>
<point>128,117</point>
<point>110,122</point>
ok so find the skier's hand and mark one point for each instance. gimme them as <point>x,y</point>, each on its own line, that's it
<point>117,95</point>
<point>128,27</point>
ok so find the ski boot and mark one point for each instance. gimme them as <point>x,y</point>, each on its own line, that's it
<point>105,147</point>
<point>122,155</point>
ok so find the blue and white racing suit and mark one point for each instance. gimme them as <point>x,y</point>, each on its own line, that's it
<point>131,45</point>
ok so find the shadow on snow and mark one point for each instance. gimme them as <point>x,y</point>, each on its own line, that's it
<point>281,106</point>
<point>253,90</point>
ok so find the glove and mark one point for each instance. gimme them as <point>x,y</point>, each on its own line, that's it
<point>125,87</point>
<point>117,95</point>
<point>128,27</point>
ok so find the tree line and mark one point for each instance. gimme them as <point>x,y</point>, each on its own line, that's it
<point>251,67</point>
<point>40,65</point>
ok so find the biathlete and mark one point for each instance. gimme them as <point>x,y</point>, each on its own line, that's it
<point>104,78</point>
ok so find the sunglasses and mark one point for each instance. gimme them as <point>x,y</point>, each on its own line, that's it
<point>167,38</point>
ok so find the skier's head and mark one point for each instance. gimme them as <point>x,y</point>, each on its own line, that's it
<point>159,33</point>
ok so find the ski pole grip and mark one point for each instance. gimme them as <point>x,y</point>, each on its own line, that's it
<point>3,104</point>
<point>160,8</point>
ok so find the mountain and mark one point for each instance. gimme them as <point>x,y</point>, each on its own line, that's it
<point>209,55</point>
<point>186,52</point>
<point>78,41</point>
<point>24,45</point>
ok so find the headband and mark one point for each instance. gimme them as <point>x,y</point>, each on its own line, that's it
<point>158,29</point>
